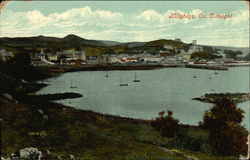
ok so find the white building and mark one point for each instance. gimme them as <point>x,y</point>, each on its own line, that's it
<point>71,55</point>
<point>168,46</point>
<point>221,53</point>
<point>177,40</point>
<point>194,48</point>
<point>4,55</point>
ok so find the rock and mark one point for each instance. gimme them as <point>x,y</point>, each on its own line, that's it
<point>41,111</point>
<point>71,157</point>
<point>179,154</point>
<point>45,154</point>
<point>27,154</point>
<point>8,96</point>
<point>58,158</point>
<point>23,81</point>
<point>46,117</point>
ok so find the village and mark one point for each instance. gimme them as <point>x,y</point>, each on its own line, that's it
<point>170,55</point>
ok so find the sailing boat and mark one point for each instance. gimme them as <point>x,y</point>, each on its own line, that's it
<point>71,85</point>
<point>123,84</point>
<point>107,74</point>
<point>215,72</point>
<point>136,80</point>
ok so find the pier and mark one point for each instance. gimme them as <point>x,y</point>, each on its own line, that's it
<point>210,67</point>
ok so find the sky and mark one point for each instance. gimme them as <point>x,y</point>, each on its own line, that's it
<point>127,21</point>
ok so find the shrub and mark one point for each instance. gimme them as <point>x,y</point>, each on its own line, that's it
<point>167,125</point>
<point>227,136</point>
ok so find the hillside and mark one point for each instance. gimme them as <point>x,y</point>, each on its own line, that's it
<point>93,47</point>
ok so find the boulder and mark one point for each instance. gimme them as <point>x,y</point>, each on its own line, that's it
<point>71,157</point>
<point>58,158</point>
<point>27,154</point>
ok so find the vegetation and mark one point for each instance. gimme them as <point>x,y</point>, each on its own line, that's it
<point>232,54</point>
<point>203,55</point>
<point>20,67</point>
<point>218,97</point>
<point>167,125</point>
<point>227,136</point>
<point>92,136</point>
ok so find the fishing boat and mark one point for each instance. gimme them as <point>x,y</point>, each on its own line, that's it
<point>71,85</point>
<point>107,75</point>
<point>136,80</point>
<point>216,72</point>
<point>123,84</point>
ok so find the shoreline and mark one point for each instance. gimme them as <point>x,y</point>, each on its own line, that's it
<point>59,120</point>
<point>92,67</point>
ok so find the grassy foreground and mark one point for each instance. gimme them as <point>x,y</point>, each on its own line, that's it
<point>84,134</point>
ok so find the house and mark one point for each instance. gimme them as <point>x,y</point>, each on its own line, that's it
<point>122,61</point>
<point>151,58</point>
<point>177,40</point>
<point>195,48</point>
<point>131,60</point>
<point>93,59</point>
<point>113,59</point>
<point>168,46</point>
<point>39,59</point>
<point>71,55</point>
<point>51,56</point>
<point>4,55</point>
<point>186,57</point>
<point>220,53</point>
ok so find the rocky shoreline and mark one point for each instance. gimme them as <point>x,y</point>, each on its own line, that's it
<point>216,97</point>
<point>69,133</point>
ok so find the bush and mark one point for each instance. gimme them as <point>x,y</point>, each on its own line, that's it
<point>167,125</point>
<point>227,136</point>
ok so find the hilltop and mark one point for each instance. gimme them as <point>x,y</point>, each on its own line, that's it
<point>96,47</point>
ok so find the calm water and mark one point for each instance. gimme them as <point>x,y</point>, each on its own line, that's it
<point>163,89</point>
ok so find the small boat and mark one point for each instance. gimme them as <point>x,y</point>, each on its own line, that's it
<point>194,76</point>
<point>136,80</point>
<point>71,85</point>
<point>123,84</point>
<point>107,74</point>
<point>216,72</point>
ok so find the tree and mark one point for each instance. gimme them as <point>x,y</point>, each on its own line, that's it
<point>227,136</point>
<point>167,125</point>
<point>232,54</point>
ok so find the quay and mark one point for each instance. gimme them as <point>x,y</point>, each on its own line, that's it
<point>210,67</point>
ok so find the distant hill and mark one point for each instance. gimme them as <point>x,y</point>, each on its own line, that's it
<point>93,47</point>
<point>244,50</point>
<point>42,41</point>
<point>110,43</point>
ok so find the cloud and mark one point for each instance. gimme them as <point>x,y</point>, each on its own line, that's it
<point>143,26</point>
<point>240,16</point>
<point>151,15</point>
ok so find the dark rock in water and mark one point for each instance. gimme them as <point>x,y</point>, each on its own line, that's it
<point>57,96</point>
<point>217,97</point>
